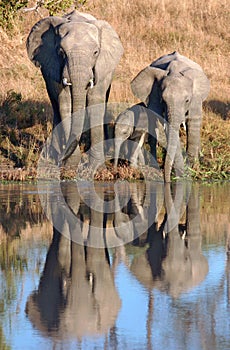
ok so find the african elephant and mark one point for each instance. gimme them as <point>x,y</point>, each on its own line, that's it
<point>136,124</point>
<point>77,55</point>
<point>77,294</point>
<point>173,261</point>
<point>77,285</point>
<point>174,87</point>
<point>74,295</point>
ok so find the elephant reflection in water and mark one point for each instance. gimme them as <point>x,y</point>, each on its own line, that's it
<point>174,262</point>
<point>131,222</point>
<point>76,294</point>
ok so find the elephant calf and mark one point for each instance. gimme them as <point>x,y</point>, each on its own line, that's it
<point>174,87</point>
<point>136,125</point>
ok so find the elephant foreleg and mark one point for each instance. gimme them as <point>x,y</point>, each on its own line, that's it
<point>137,151</point>
<point>66,118</point>
<point>193,133</point>
<point>96,107</point>
<point>152,139</point>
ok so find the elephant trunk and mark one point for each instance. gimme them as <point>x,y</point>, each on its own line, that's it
<point>79,93</point>
<point>173,146</point>
<point>171,151</point>
<point>80,78</point>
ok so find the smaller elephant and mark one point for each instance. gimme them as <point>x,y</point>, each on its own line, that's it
<point>137,124</point>
<point>173,262</point>
<point>174,87</point>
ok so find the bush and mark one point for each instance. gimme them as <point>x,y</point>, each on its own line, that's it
<point>9,9</point>
<point>54,7</point>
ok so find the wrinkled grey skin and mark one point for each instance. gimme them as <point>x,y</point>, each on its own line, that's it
<point>175,87</point>
<point>77,55</point>
<point>137,124</point>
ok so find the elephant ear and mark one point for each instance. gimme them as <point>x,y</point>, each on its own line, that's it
<point>142,84</point>
<point>111,50</point>
<point>201,84</point>
<point>41,47</point>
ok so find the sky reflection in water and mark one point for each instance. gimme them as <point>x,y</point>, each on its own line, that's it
<point>116,300</point>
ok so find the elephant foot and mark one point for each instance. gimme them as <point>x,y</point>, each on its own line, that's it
<point>74,160</point>
<point>167,179</point>
<point>96,164</point>
<point>70,148</point>
<point>179,172</point>
<point>96,158</point>
<point>153,164</point>
<point>133,163</point>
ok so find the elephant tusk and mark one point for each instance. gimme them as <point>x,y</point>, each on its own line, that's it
<point>65,82</point>
<point>184,125</point>
<point>91,83</point>
<point>165,127</point>
<point>183,235</point>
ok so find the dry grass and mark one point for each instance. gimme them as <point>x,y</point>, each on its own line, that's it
<point>148,29</point>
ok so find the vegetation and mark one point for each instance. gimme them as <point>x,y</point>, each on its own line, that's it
<point>12,10</point>
<point>148,29</point>
<point>9,10</point>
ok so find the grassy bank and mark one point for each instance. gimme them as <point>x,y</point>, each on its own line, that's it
<point>148,29</point>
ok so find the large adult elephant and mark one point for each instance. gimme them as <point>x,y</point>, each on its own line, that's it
<point>73,299</point>
<point>74,296</point>
<point>175,87</point>
<point>77,55</point>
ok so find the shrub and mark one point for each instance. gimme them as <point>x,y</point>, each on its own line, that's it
<point>9,9</point>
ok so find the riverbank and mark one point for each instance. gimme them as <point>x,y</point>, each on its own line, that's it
<point>147,30</point>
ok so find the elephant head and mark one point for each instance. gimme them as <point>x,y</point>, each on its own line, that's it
<point>77,55</point>
<point>175,87</point>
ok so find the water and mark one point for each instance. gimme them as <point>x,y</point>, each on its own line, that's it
<point>146,266</point>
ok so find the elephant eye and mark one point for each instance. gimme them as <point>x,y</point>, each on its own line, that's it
<point>61,52</point>
<point>187,100</point>
<point>96,53</point>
